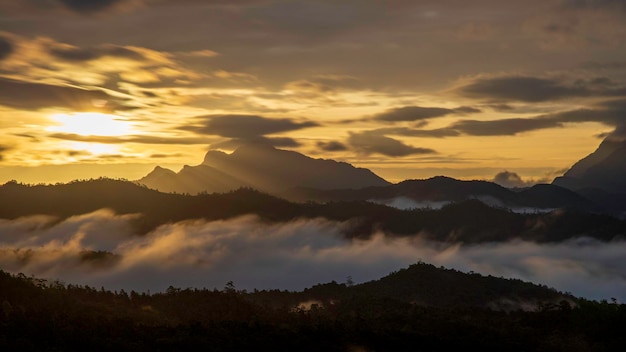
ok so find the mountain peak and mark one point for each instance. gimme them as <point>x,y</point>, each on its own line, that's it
<point>261,166</point>
<point>158,170</point>
<point>604,169</point>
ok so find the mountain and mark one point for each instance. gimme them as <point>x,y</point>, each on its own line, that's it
<point>438,191</point>
<point>469,221</point>
<point>262,167</point>
<point>603,169</point>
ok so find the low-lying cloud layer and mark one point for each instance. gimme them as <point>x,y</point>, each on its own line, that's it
<point>98,249</point>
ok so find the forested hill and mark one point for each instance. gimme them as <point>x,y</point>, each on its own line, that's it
<point>395,313</point>
<point>467,221</point>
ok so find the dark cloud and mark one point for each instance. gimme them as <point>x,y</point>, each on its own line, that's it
<point>89,6</point>
<point>247,127</point>
<point>417,113</point>
<point>504,127</point>
<point>619,134</point>
<point>278,142</point>
<point>610,65</point>
<point>33,96</point>
<point>527,89</point>
<point>538,89</point>
<point>6,48</point>
<point>3,150</point>
<point>416,132</point>
<point>324,84</point>
<point>370,142</point>
<point>595,4</point>
<point>76,153</point>
<point>466,110</point>
<point>501,107</point>
<point>331,146</point>
<point>609,112</point>
<point>163,156</point>
<point>69,53</point>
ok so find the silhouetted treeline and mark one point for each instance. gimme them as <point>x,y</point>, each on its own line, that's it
<point>469,221</point>
<point>380,316</point>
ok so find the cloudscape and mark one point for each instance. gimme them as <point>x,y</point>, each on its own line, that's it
<point>312,175</point>
<point>99,249</point>
<point>408,89</point>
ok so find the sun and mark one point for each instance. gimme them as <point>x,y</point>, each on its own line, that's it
<point>91,124</point>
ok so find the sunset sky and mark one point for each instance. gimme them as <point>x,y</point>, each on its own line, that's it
<point>407,88</point>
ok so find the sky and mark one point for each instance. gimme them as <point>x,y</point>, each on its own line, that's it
<point>409,89</point>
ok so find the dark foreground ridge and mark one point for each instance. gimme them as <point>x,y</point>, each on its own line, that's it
<point>418,308</point>
<point>467,221</point>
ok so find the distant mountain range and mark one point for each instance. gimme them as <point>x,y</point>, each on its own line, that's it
<point>594,184</point>
<point>468,221</point>
<point>438,191</point>
<point>262,167</point>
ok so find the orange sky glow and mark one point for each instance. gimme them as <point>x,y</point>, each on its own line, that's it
<point>408,89</point>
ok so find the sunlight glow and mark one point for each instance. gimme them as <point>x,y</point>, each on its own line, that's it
<point>91,124</point>
<point>94,149</point>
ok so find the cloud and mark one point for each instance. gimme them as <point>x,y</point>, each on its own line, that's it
<point>503,127</point>
<point>34,96</point>
<point>406,203</point>
<point>232,144</point>
<point>610,112</point>
<point>323,84</point>
<point>90,6</point>
<point>6,47</point>
<point>331,146</point>
<point>595,4</point>
<point>46,60</point>
<point>98,249</point>
<point>247,127</point>
<point>370,142</point>
<point>536,89</point>
<point>509,179</point>
<point>415,132</point>
<point>141,139</point>
<point>418,113</point>
<point>609,65</point>
<point>476,31</point>
<point>3,150</point>
<point>73,53</point>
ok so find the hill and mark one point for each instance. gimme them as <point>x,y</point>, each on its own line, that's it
<point>417,306</point>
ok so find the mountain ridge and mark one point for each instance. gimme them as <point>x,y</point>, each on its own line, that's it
<point>604,169</point>
<point>467,221</point>
<point>262,167</point>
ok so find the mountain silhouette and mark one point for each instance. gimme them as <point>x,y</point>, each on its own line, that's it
<point>445,189</point>
<point>603,169</point>
<point>468,221</point>
<point>262,167</point>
